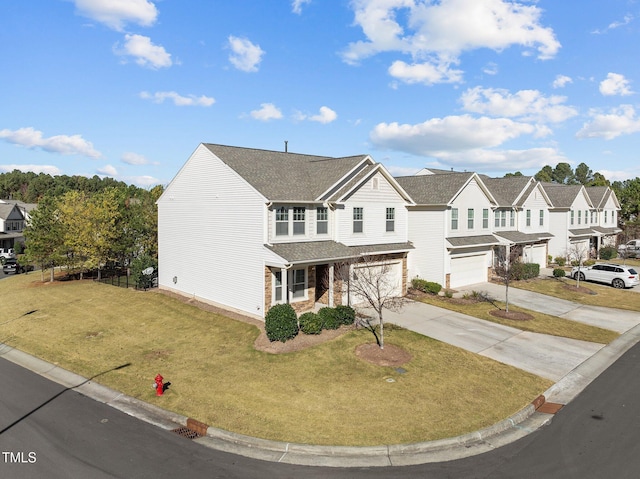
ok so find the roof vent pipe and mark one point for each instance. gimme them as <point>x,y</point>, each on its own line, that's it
<point>286,149</point>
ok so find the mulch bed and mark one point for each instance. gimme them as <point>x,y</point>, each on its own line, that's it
<point>581,289</point>
<point>389,356</point>
<point>515,315</point>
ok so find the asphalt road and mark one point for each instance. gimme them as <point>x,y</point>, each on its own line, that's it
<point>49,432</point>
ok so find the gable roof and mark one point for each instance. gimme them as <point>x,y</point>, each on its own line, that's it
<point>563,196</point>
<point>10,211</point>
<point>434,189</point>
<point>599,195</point>
<point>510,190</point>
<point>284,176</point>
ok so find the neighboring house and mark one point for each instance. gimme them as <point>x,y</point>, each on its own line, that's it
<point>603,217</point>
<point>246,229</point>
<point>12,222</point>
<point>521,219</point>
<point>570,220</point>
<point>450,226</point>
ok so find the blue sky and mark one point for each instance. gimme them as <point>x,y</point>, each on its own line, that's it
<point>129,88</point>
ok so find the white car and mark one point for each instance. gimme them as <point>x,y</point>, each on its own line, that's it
<point>617,275</point>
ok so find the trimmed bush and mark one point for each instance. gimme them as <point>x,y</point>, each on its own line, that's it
<point>346,314</point>
<point>310,323</point>
<point>425,286</point>
<point>329,318</point>
<point>520,271</point>
<point>560,261</point>
<point>608,253</point>
<point>559,273</point>
<point>281,323</point>
<point>589,262</point>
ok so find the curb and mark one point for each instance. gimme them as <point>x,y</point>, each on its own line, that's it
<point>522,423</point>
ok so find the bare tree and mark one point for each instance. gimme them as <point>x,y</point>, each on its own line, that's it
<point>504,259</point>
<point>368,279</point>
<point>576,253</point>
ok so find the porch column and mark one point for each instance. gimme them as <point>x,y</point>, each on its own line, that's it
<point>284,274</point>
<point>331,285</point>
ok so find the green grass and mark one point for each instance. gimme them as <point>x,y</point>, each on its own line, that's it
<point>321,395</point>
<point>541,323</point>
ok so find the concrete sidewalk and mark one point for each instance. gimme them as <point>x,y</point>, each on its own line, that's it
<point>551,357</point>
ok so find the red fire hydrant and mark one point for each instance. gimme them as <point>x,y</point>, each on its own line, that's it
<point>159,385</point>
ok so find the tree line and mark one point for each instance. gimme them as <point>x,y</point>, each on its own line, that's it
<point>85,223</point>
<point>627,191</point>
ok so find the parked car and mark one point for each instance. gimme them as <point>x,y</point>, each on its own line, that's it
<point>12,266</point>
<point>631,249</point>
<point>617,275</point>
<point>7,253</point>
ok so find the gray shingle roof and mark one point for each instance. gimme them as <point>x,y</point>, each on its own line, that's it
<point>281,176</point>
<point>606,231</point>
<point>582,232</point>
<point>480,240</point>
<point>562,196</point>
<point>523,238</point>
<point>507,190</point>
<point>436,189</point>
<point>598,195</point>
<point>319,251</point>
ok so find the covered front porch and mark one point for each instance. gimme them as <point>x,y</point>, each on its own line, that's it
<point>526,247</point>
<point>314,274</point>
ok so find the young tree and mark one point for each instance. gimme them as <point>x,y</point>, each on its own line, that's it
<point>577,252</point>
<point>44,236</point>
<point>370,282</point>
<point>504,259</point>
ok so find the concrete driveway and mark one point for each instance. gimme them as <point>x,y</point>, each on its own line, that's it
<point>547,356</point>
<point>619,320</point>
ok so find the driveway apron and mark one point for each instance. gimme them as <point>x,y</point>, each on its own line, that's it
<point>547,356</point>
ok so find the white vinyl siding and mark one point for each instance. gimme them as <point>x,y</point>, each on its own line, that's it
<point>225,218</point>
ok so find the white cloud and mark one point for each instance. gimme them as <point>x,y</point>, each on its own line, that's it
<point>107,170</point>
<point>401,170</point>
<point>527,105</point>
<point>178,100</point>
<point>268,111</point>
<point>437,33</point>
<point>47,169</point>
<point>63,144</point>
<point>619,121</point>
<point>615,84</point>
<point>561,81</point>
<point>490,69</point>
<point>143,181</point>
<point>628,18</point>
<point>135,159</point>
<point>296,5</point>
<point>326,115</point>
<point>115,13</point>
<point>146,54</point>
<point>245,55</point>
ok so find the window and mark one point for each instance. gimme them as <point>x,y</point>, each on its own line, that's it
<point>593,215</point>
<point>298,220</point>
<point>454,218</point>
<point>322,220</point>
<point>503,218</point>
<point>528,217</point>
<point>282,221</point>
<point>496,219</point>
<point>470,214</point>
<point>571,216</point>
<point>579,216</point>
<point>277,285</point>
<point>298,283</point>
<point>358,216</point>
<point>485,218</point>
<point>512,218</point>
<point>541,217</point>
<point>586,217</point>
<point>391,219</point>
<point>605,217</point>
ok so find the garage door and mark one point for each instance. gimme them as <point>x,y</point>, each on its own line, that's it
<point>391,283</point>
<point>539,255</point>
<point>466,270</point>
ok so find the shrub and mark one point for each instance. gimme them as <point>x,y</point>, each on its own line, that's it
<point>589,262</point>
<point>310,323</point>
<point>558,273</point>
<point>608,253</point>
<point>346,314</point>
<point>425,286</point>
<point>520,271</point>
<point>329,318</point>
<point>560,261</point>
<point>281,323</point>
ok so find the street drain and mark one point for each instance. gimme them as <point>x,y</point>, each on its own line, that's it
<point>186,432</point>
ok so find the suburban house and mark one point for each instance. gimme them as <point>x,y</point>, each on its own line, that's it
<point>569,220</point>
<point>12,223</point>
<point>450,227</point>
<point>246,228</point>
<point>603,217</point>
<point>521,218</point>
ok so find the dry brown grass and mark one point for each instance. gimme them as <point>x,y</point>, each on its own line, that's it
<point>323,395</point>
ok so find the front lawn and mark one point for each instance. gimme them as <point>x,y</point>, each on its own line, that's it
<point>321,395</point>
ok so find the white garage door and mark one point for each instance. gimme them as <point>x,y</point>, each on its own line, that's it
<point>539,255</point>
<point>466,270</point>
<point>391,283</point>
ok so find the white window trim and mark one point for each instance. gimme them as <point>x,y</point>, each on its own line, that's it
<point>290,284</point>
